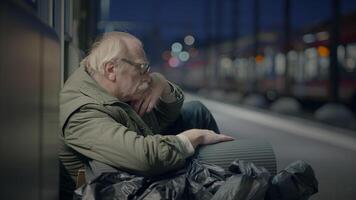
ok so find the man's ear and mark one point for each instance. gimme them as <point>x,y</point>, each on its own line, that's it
<point>110,71</point>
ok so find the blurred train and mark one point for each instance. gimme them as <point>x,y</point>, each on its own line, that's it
<point>308,64</point>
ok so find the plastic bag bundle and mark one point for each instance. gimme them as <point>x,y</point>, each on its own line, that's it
<point>296,182</point>
<point>202,181</point>
<point>249,182</point>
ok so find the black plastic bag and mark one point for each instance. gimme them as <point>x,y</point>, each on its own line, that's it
<point>202,181</point>
<point>249,183</point>
<point>198,181</point>
<point>295,182</point>
<point>113,185</point>
<point>167,188</point>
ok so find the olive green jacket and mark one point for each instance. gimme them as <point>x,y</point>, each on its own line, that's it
<point>96,125</point>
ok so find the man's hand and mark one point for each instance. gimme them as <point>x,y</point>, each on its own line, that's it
<point>158,87</point>
<point>203,137</point>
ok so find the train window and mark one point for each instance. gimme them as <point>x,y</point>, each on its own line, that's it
<point>347,51</point>
<point>226,66</point>
<point>347,57</point>
<point>280,61</point>
<point>341,55</point>
<point>324,63</point>
<point>350,63</point>
<point>299,71</point>
<point>268,62</point>
<point>250,70</point>
<point>293,62</point>
<point>243,66</point>
<point>311,63</point>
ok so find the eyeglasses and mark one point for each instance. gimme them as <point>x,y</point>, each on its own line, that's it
<point>143,67</point>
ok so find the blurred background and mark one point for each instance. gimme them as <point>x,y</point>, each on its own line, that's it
<point>279,70</point>
<point>294,57</point>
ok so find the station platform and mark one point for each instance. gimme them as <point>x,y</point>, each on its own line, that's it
<point>329,150</point>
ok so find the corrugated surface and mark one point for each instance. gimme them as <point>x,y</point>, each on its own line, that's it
<point>256,151</point>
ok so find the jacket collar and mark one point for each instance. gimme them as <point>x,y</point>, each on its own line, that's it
<point>89,87</point>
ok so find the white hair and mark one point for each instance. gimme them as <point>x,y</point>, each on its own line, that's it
<point>108,48</point>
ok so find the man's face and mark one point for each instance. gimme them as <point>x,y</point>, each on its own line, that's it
<point>132,80</point>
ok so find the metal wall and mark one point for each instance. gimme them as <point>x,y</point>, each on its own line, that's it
<point>29,88</point>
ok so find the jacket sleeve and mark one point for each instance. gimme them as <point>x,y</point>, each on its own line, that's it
<point>94,134</point>
<point>167,113</point>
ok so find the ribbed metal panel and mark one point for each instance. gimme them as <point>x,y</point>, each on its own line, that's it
<point>257,151</point>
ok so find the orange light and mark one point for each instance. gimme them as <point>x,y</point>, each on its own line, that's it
<point>323,51</point>
<point>259,58</point>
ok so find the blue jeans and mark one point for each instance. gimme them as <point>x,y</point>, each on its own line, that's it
<point>193,115</point>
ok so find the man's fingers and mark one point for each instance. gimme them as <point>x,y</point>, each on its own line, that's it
<point>210,137</point>
<point>143,108</point>
<point>221,138</point>
<point>205,137</point>
<point>137,105</point>
<point>224,138</point>
<point>152,104</point>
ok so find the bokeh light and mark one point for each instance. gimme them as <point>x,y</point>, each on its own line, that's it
<point>189,40</point>
<point>177,47</point>
<point>323,51</point>
<point>225,62</point>
<point>173,62</point>
<point>183,56</point>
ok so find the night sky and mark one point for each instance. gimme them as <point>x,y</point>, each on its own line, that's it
<point>161,22</point>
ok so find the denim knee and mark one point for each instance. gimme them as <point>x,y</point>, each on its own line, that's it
<point>197,106</point>
<point>199,115</point>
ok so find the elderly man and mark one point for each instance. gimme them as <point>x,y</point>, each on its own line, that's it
<point>114,111</point>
